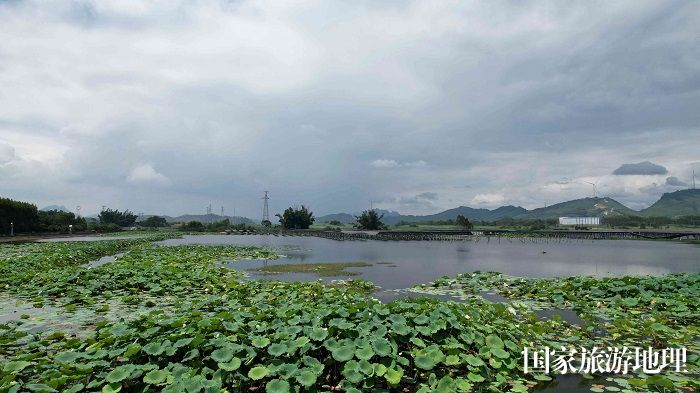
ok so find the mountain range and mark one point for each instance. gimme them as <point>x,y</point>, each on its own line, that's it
<point>205,218</point>
<point>673,204</point>
<point>60,208</point>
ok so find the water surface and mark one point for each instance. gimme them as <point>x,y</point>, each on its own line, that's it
<point>403,264</point>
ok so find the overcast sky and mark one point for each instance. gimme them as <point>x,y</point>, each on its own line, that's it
<point>167,106</point>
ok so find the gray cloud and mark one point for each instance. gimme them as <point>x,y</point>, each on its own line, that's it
<point>422,202</point>
<point>675,182</point>
<point>7,153</point>
<point>384,163</point>
<point>168,106</point>
<point>641,168</point>
<point>431,196</point>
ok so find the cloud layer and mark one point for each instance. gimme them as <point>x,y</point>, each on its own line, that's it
<point>644,168</point>
<point>167,106</point>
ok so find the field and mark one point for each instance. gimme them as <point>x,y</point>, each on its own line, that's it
<point>171,318</point>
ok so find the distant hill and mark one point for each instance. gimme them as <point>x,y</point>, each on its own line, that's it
<point>585,207</point>
<point>205,218</point>
<point>468,212</point>
<point>392,217</point>
<point>347,218</point>
<point>344,218</point>
<point>679,203</point>
<point>55,207</point>
<point>674,204</point>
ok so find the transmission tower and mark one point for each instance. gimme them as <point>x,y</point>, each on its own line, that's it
<point>77,209</point>
<point>222,212</point>
<point>266,210</point>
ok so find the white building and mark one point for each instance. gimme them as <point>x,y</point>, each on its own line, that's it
<point>579,220</point>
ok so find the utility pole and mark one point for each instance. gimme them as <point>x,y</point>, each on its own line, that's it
<point>266,210</point>
<point>545,217</point>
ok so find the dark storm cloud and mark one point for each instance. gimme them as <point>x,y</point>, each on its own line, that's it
<point>167,106</point>
<point>640,168</point>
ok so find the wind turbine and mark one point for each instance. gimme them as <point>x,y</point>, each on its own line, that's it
<point>595,191</point>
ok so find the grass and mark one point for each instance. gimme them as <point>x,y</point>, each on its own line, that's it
<point>320,269</point>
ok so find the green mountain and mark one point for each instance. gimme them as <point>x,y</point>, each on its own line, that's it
<point>343,218</point>
<point>391,218</point>
<point>60,208</point>
<point>674,204</point>
<point>585,207</point>
<point>468,212</point>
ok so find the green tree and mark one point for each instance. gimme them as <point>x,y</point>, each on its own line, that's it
<point>154,222</point>
<point>193,226</point>
<point>296,218</point>
<point>219,226</point>
<point>23,215</point>
<point>123,219</point>
<point>463,222</point>
<point>60,221</point>
<point>370,220</point>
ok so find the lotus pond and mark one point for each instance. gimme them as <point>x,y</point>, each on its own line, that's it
<point>403,264</point>
<point>175,318</point>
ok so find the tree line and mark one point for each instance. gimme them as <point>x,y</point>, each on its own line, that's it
<point>302,218</point>
<point>24,217</point>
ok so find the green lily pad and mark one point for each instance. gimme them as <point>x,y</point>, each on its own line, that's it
<point>222,355</point>
<point>277,386</point>
<point>257,373</point>
<point>156,377</point>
